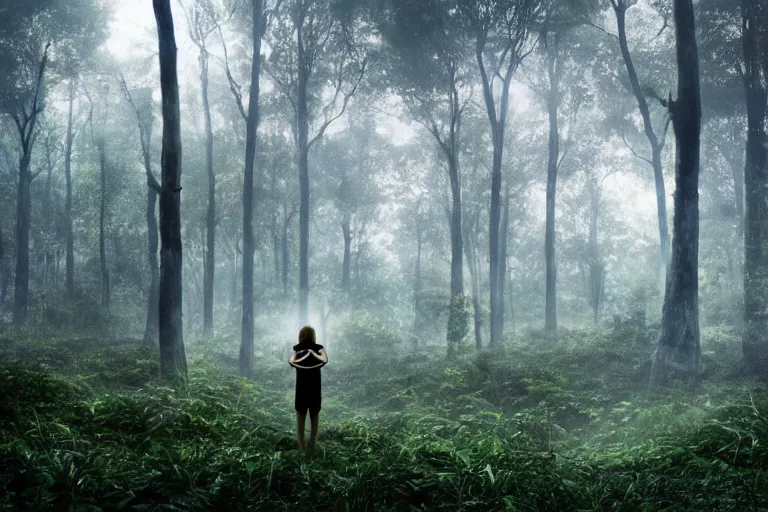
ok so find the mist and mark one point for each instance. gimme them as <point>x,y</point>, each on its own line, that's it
<point>528,236</point>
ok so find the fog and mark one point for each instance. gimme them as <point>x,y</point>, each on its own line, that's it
<point>543,212</point>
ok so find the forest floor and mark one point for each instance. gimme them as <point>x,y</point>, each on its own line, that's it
<point>532,426</point>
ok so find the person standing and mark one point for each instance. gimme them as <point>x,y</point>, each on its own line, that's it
<point>307,357</point>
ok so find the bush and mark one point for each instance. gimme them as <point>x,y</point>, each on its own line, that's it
<point>366,332</point>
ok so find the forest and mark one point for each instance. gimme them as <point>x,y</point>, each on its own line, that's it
<point>531,235</point>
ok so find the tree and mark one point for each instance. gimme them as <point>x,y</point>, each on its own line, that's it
<point>141,104</point>
<point>679,348</point>
<point>313,48</point>
<point>500,31</point>
<point>172,357</point>
<point>202,21</point>
<point>98,138</point>
<point>655,140</point>
<point>428,70</point>
<point>754,73</point>
<point>37,37</point>
<point>252,124</point>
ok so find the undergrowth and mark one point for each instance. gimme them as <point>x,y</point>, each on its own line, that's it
<point>85,425</point>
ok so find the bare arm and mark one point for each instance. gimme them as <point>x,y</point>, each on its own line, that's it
<point>320,356</point>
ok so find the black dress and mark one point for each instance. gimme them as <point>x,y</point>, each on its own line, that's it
<point>307,381</point>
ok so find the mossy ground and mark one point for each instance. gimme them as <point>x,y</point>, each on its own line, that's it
<point>85,425</point>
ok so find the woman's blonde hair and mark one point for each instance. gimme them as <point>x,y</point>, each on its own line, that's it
<point>307,335</point>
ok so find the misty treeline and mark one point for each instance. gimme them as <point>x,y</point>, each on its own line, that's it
<point>445,170</point>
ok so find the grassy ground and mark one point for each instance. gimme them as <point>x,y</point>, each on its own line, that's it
<point>84,425</point>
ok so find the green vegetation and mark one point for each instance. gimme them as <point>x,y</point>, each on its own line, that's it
<point>85,426</point>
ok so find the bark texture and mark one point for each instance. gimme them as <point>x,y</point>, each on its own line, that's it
<point>755,75</point>
<point>173,363</point>
<point>679,350</point>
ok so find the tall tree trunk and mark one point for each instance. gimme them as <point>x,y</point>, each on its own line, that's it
<point>285,259</point>
<point>302,119</point>
<point>456,315</point>
<point>3,273</point>
<point>417,279</point>
<point>151,326</point>
<point>48,212</point>
<point>737,172</point>
<point>70,258</point>
<point>620,8</point>
<point>498,120</point>
<point>105,285</point>
<point>596,266</point>
<point>210,261</point>
<point>23,213</point>
<point>26,123</point>
<point>470,250</point>
<point>755,335</point>
<point>173,360</point>
<point>679,348</point>
<point>346,264</point>
<point>252,125</point>
<point>275,249</point>
<point>503,243</point>
<point>553,101</point>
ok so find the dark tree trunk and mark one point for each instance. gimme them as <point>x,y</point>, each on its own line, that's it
<point>679,349</point>
<point>457,321</point>
<point>210,261</point>
<point>173,360</point>
<point>105,284</point>
<point>151,327</point>
<point>302,118</point>
<point>755,335</point>
<point>347,262</point>
<point>70,258</point>
<point>4,278</point>
<point>252,125</point>
<point>503,241</point>
<point>48,213</point>
<point>498,122</point>
<point>26,123</point>
<point>553,102</point>
<point>620,7</point>
<point>23,213</point>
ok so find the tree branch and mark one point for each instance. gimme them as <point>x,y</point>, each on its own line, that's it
<point>634,152</point>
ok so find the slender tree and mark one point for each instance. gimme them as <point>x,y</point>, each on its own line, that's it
<point>252,125</point>
<point>202,22</point>
<point>312,46</point>
<point>141,104</point>
<point>655,140</point>
<point>70,237</point>
<point>679,348</point>
<point>500,30</point>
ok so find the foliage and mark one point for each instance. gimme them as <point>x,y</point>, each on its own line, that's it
<point>365,332</point>
<point>515,429</point>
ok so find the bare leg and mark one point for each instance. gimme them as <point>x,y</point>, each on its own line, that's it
<point>313,420</point>
<point>301,418</point>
